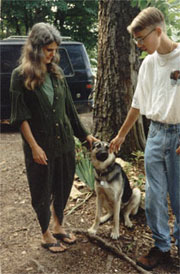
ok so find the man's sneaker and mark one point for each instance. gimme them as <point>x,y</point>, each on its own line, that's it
<point>154,258</point>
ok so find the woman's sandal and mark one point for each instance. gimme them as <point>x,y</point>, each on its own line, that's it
<point>63,237</point>
<point>49,245</point>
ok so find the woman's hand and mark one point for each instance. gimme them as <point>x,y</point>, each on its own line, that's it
<point>39,155</point>
<point>91,139</point>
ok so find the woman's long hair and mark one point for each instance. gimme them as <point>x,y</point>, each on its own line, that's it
<point>32,65</point>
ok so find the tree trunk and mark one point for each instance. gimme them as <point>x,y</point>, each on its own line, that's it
<point>118,64</point>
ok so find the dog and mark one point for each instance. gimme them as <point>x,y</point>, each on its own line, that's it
<point>113,190</point>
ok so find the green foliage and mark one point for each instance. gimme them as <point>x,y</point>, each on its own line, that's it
<point>82,20</point>
<point>140,181</point>
<point>84,168</point>
<point>139,156</point>
<point>77,19</point>
<point>138,163</point>
<point>143,55</point>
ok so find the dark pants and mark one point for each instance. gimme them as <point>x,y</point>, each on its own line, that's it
<point>51,183</point>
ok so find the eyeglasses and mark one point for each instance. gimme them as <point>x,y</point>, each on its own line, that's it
<point>139,40</point>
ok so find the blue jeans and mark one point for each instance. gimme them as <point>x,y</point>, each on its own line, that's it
<point>162,165</point>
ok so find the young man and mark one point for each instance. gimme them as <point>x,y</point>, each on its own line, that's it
<point>157,97</point>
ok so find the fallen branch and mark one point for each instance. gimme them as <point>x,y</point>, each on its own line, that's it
<point>40,268</point>
<point>99,241</point>
<point>20,229</point>
<point>148,237</point>
<point>89,194</point>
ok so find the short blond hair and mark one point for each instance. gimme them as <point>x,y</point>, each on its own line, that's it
<point>148,17</point>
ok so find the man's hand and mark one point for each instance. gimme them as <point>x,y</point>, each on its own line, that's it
<point>116,143</point>
<point>131,118</point>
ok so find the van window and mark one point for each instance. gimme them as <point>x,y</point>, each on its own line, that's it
<point>76,55</point>
<point>9,57</point>
<point>65,63</point>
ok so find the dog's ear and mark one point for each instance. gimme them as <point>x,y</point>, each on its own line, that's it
<point>86,144</point>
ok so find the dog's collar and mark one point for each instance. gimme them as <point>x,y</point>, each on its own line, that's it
<point>105,171</point>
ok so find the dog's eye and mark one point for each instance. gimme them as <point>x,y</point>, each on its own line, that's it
<point>98,145</point>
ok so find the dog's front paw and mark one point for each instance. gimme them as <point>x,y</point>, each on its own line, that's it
<point>92,231</point>
<point>128,223</point>
<point>114,235</point>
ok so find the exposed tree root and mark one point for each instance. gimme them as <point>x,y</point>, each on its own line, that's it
<point>104,244</point>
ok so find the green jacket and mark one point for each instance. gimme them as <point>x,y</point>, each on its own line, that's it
<point>53,126</point>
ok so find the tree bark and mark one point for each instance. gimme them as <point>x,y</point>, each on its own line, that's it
<point>118,64</point>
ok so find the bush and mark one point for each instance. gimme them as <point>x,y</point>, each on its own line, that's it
<point>84,167</point>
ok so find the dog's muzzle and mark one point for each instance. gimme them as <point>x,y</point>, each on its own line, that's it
<point>102,155</point>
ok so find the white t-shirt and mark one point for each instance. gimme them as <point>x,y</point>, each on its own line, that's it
<point>157,94</point>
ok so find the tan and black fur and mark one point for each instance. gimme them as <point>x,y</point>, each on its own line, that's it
<point>112,189</point>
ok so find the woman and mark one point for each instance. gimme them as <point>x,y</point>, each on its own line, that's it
<point>43,108</point>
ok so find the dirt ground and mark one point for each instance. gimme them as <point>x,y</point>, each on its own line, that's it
<point>21,252</point>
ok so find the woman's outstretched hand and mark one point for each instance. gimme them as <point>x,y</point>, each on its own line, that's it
<point>91,139</point>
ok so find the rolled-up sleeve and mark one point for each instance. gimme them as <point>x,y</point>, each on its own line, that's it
<point>19,109</point>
